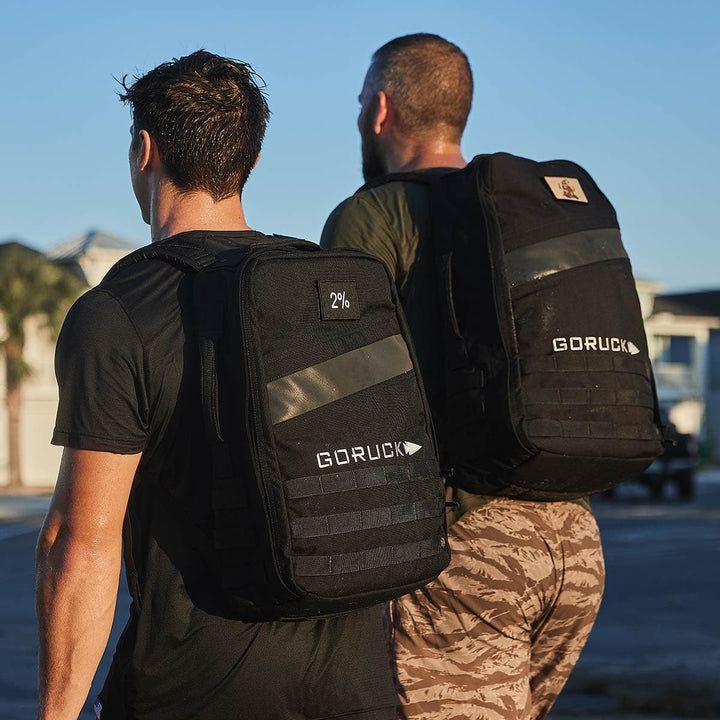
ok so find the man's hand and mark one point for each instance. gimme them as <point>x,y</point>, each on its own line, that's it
<point>77,572</point>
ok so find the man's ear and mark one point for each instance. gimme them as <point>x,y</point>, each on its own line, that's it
<point>384,112</point>
<point>257,160</point>
<point>146,154</point>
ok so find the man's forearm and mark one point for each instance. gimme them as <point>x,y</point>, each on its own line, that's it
<point>76,592</point>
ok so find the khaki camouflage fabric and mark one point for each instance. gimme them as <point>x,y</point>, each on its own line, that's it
<point>496,635</point>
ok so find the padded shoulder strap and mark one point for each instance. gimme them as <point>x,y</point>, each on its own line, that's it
<point>191,255</point>
<point>424,177</point>
<point>188,256</point>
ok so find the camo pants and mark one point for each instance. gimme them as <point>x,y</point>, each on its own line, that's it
<point>496,635</point>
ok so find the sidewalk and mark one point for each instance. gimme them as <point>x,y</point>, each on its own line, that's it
<point>18,508</point>
<point>20,514</point>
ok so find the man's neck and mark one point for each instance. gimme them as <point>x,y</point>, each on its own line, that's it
<point>407,156</point>
<point>173,212</point>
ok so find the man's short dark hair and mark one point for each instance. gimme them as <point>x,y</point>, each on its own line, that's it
<point>429,81</point>
<point>208,116</point>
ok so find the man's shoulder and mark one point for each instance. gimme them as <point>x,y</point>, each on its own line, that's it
<point>392,191</point>
<point>381,205</point>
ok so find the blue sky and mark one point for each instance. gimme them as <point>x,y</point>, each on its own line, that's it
<point>627,89</point>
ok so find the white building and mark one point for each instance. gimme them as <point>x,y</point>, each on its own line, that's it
<point>683,332</point>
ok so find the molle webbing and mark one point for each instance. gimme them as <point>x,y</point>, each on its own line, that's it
<point>591,430</point>
<point>589,396</point>
<point>369,519</point>
<point>322,565</point>
<point>585,362</point>
<point>427,505</point>
<point>595,402</point>
<point>367,477</point>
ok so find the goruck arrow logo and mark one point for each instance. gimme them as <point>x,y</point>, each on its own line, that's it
<point>605,344</point>
<point>367,453</point>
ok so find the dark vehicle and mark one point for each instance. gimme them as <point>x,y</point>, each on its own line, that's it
<point>676,465</point>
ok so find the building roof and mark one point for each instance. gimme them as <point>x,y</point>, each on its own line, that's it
<point>78,246</point>
<point>697,304</point>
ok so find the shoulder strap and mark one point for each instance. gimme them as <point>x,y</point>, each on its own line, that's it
<point>192,256</point>
<point>426,176</point>
<point>211,290</point>
<point>423,177</point>
<point>189,257</point>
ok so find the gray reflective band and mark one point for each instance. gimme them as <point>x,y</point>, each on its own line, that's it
<point>337,378</point>
<point>562,253</point>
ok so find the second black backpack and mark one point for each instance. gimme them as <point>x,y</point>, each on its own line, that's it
<point>549,389</point>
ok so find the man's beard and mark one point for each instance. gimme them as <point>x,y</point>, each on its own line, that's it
<point>373,163</point>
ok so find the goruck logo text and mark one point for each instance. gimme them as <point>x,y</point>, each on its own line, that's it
<point>366,453</point>
<point>588,343</point>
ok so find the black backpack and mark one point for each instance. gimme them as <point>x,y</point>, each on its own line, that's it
<point>327,494</point>
<point>549,391</point>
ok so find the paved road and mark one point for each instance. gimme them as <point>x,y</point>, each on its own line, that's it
<point>655,646</point>
<point>20,520</point>
<point>656,643</point>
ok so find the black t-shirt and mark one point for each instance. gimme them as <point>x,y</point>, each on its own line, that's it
<point>128,374</point>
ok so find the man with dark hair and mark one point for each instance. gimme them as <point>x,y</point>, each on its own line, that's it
<point>498,633</point>
<point>130,421</point>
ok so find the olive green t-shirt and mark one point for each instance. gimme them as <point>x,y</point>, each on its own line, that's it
<point>392,222</point>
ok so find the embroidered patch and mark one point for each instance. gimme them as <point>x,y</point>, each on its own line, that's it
<point>566,189</point>
<point>338,300</point>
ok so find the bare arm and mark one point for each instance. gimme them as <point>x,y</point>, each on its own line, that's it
<point>77,572</point>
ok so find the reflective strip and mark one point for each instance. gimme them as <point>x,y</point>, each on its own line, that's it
<point>323,565</point>
<point>337,378</point>
<point>370,519</point>
<point>367,477</point>
<point>562,253</point>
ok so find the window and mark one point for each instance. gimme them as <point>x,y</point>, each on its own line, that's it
<point>714,361</point>
<point>676,349</point>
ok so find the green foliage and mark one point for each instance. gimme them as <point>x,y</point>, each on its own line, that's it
<point>31,285</point>
<point>16,370</point>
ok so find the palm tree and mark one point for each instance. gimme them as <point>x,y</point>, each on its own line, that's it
<point>30,285</point>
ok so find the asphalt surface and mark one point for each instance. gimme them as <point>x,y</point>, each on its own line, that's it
<point>654,652</point>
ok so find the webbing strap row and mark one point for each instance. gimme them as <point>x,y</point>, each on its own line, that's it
<point>563,362</point>
<point>591,430</point>
<point>367,477</point>
<point>323,565</point>
<point>589,396</point>
<point>373,518</point>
